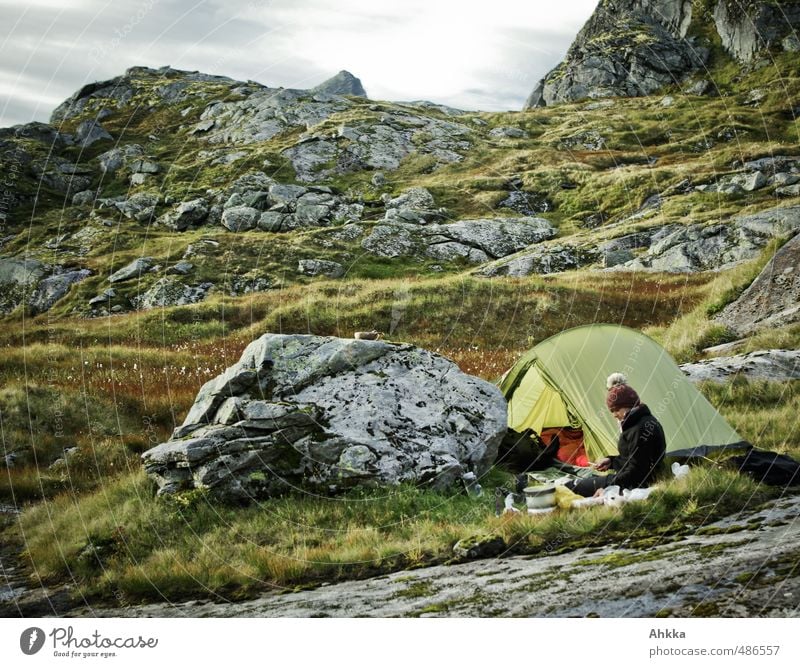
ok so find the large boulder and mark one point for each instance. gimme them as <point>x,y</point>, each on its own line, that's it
<point>324,413</point>
<point>773,298</point>
<point>473,241</point>
<point>773,365</point>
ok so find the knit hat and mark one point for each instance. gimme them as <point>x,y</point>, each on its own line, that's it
<point>621,396</point>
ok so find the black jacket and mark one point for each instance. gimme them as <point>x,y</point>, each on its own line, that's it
<point>641,449</point>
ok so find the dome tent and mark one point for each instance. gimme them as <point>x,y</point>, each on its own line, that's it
<point>562,382</point>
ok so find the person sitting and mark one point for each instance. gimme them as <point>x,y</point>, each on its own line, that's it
<point>641,444</point>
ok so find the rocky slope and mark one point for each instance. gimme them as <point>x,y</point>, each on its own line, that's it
<point>636,47</point>
<point>162,188</point>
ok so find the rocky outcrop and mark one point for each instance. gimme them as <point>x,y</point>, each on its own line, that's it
<point>169,291</point>
<point>627,48</point>
<point>342,83</point>
<point>746,28</point>
<point>634,47</point>
<point>132,270</point>
<point>325,414</point>
<point>671,248</point>
<point>29,281</point>
<point>773,365</point>
<point>773,298</point>
<point>320,267</point>
<point>380,143</point>
<point>474,241</point>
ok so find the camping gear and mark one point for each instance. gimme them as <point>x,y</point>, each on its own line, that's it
<point>768,467</point>
<point>540,497</point>
<point>562,382</point>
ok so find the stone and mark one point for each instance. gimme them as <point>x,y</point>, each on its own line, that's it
<point>90,131</point>
<point>788,190</point>
<point>745,30</point>
<point>378,179</point>
<point>181,268</point>
<point>479,546</point>
<point>185,214</point>
<point>324,414</point>
<point>83,198</point>
<point>133,270</point>
<point>18,280</point>
<point>701,87</point>
<point>168,291</point>
<point>140,206</point>
<point>476,241</point>
<point>54,287</point>
<point>320,267</point>
<point>548,259</point>
<point>142,166</point>
<point>115,159</point>
<point>771,365</point>
<point>509,132</point>
<point>240,218</point>
<point>772,299</point>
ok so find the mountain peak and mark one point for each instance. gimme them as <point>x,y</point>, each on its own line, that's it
<point>343,83</point>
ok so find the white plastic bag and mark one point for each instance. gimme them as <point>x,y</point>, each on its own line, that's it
<point>637,494</point>
<point>680,471</point>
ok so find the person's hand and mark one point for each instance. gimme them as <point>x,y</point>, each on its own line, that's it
<point>598,493</point>
<point>603,464</point>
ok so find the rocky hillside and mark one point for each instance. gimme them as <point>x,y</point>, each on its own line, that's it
<point>166,188</point>
<point>636,47</point>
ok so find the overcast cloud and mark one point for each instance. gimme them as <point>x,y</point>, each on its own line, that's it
<point>472,54</point>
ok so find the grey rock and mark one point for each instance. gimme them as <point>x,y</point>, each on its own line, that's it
<point>342,83</point>
<point>282,195</point>
<point>324,414</point>
<point>90,131</point>
<point>717,246</point>
<point>772,299</point>
<point>181,268</point>
<point>788,190</point>
<point>133,270</point>
<point>83,198</point>
<point>240,218</point>
<point>509,132</point>
<point>142,166</point>
<point>104,298</point>
<point>553,258</point>
<point>116,158</point>
<point>784,178</point>
<point>626,48</point>
<point>168,291</point>
<point>747,29</point>
<point>18,280</point>
<point>140,206</point>
<point>53,288</point>
<point>415,205</point>
<point>476,241</point>
<point>378,179</point>
<point>185,214</point>
<point>773,365</point>
<point>701,87</point>
<point>320,267</point>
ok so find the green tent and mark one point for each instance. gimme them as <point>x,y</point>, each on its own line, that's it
<point>562,382</point>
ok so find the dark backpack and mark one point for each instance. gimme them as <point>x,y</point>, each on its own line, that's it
<point>768,467</point>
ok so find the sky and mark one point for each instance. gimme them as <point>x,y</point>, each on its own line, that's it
<point>470,54</point>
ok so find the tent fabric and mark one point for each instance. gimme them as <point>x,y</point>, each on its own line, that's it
<point>563,379</point>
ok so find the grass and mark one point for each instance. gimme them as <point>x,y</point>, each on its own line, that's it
<point>122,543</point>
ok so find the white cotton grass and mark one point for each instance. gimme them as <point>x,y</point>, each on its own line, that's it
<point>614,379</point>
